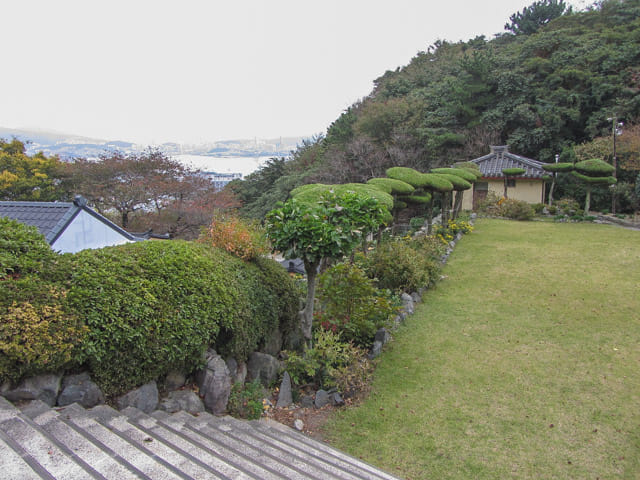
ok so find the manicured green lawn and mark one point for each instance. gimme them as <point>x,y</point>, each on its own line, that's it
<point>523,363</point>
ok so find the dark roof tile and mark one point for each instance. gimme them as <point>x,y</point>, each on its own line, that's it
<point>491,165</point>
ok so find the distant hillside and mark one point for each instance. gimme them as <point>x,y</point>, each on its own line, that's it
<point>68,146</point>
<point>553,85</point>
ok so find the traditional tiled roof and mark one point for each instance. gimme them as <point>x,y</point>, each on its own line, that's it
<point>491,165</point>
<point>52,218</point>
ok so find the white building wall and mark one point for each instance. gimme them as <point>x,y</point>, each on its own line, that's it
<point>86,231</point>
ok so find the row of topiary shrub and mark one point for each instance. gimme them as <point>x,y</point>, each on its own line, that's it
<point>132,313</point>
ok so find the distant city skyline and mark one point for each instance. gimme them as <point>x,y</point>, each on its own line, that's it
<point>197,71</point>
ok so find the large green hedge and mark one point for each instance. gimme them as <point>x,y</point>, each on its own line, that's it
<point>145,308</point>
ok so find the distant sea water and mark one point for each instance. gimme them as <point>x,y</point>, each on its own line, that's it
<point>243,165</point>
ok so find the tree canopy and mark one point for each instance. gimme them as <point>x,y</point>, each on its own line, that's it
<point>542,91</point>
<point>29,178</point>
<point>535,16</point>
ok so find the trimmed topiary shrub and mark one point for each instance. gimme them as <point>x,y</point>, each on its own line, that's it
<point>466,174</point>
<point>391,185</point>
<point>558,167</point>
<point>513,171</point>
<point>155,306</point>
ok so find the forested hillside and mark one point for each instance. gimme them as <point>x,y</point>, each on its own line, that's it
<point>552,81</point>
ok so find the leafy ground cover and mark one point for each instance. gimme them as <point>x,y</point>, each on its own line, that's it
<point>522,363</point>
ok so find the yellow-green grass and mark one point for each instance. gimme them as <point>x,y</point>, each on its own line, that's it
<point>523,363</point>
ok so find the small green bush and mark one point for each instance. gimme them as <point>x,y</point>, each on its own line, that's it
<point>516,209</point>
<point>416,223</point>
<point>323,364</point>
<point>552,209</point>
<point>538,208</point>
<point>568,206</point>
<point>246,400</point>
<point>351,305</point>
<point>490,205</point>
<point>403,265</point>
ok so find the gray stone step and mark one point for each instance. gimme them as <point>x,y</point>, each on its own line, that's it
<point>303,461</point>
<point>38,442</point>
<point>44,454</point>
<point>193,451</point>
<point>103,460</point>
<point>252,460</point>
<point>143,461</point>
<point>294,438</point>
<point>342,466</point>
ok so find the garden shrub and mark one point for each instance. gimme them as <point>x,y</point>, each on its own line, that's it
<point>156,306</point>
<point>243,238</point>
<point>351,305</point>
<point>38,337</point>
<point>39,333</point>
<point>552,209</point>
<point>403,265</point>
<point>490,205</point>
<point>538,208</point>
<point>131,313</point>
<point>246,400</point>
<point>416,223</point>
<point>567,206</point>
<point>516,209</point>
<point>323,364</point>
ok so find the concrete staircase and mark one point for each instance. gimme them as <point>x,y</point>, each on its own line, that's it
<point>37,442</point>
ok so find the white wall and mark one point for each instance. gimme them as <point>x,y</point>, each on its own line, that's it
<point>86,231</point>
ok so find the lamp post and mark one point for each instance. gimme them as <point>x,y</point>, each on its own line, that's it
<point>615,131</point>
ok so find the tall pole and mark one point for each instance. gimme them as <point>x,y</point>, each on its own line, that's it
<point>614,126</point>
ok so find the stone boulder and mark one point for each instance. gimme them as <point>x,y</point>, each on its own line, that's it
<point>174,380</point>
<point>186,400</point>
<point>214,381</point>
<point>263,367</point>
<point>143,398</point>
<point>237,370</point>
<point>41,387</point>
<point>322,398</point>
<point>80,389</point>
<point>285,396</point>
<point>407,303</point>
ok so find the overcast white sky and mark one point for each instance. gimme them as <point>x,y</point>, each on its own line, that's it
<point>202,70</point>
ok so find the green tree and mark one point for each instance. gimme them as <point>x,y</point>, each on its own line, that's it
<point>593,172</point>
<point>144,182</point>
<point>329,228</point>
<point>535,16</point>
<point>29,178</point>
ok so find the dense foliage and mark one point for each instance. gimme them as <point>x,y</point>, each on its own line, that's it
<point>133,312</point>
<point>29,178</point>
<point>323,226</point>
<point>39,332</point>
<point>551,83</point>
<point>351,305</point>
<point>404,265</point>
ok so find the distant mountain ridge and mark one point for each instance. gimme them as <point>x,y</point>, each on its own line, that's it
<point>68,146</point>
